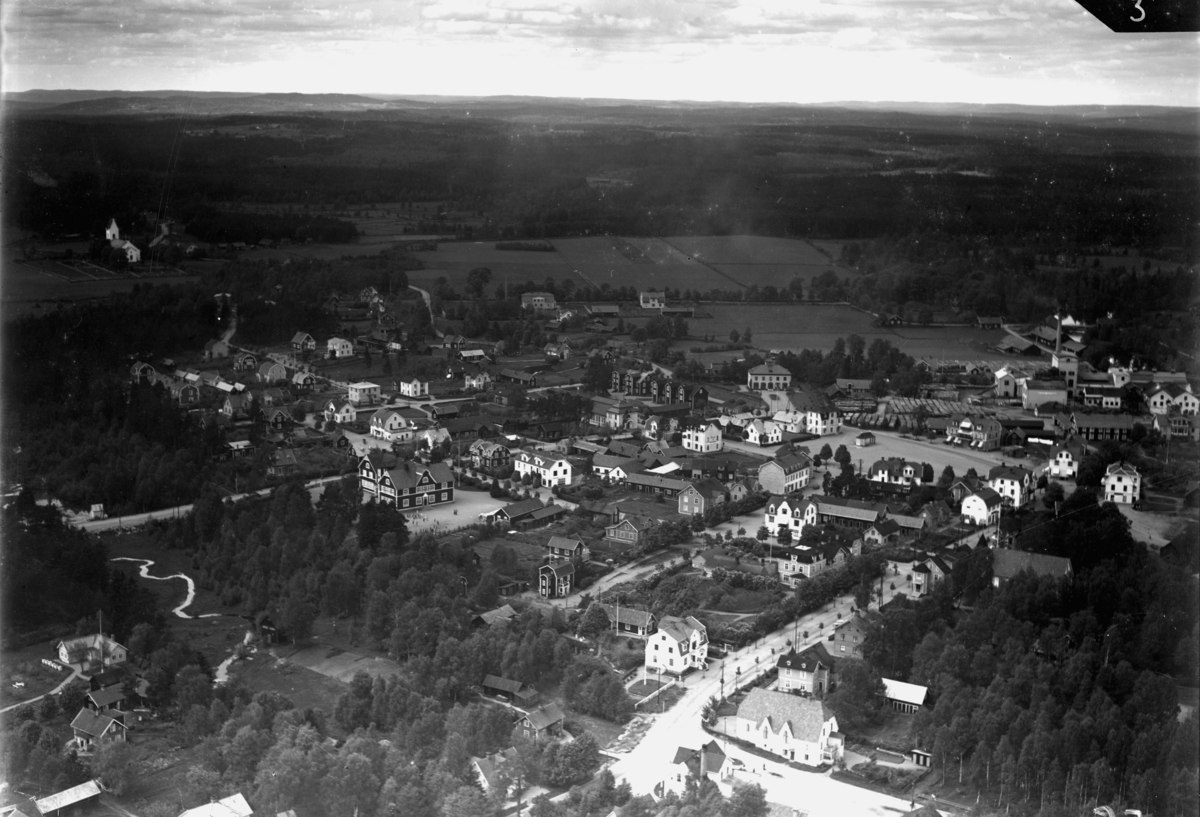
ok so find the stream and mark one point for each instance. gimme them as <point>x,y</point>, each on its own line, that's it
<point>144,572</point>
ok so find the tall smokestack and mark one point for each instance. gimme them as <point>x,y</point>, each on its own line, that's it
<point>1058,336</point>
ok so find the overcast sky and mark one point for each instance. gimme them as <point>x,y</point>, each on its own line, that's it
<point>1027,51</point>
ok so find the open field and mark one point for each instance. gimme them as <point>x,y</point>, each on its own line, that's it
<point>29,292</point>
<point>643,263</point>
<point>818,326</point>
<point>24,666</point>
<point>304,687</point>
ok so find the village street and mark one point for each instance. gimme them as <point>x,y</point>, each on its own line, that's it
<point>819,795</point>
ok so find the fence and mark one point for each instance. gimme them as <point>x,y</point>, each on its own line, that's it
<point>54,665</point>
<point>655,693</point>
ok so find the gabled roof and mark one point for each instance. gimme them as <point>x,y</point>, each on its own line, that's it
<point>565,542</point>
<point>522,508</point>
<point>805,715</point>
<point>627,615</point>
<point>559,569</point>
<point>1103,420</point>
<point>680,629</point>
<point>1008,563</point>
<point>809,660</point>
<point>233,806</point>
<point>904,693</point>
<point>638,523</point>
<point>487,765</point>
<point>708,487</point>
<point>1013,472</point>
<point>68,797</point>
<point>1122,469</point>
<point>769,369</point>
<point>547,715</point>
<point>95,724</point>
<point>990,498</point>
<point>503,684</point>
<point>499,615</point>
<point>408,474</point>
<point>105,697</point>
<point>847,508</point>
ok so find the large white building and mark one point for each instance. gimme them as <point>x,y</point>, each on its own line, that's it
<point>705,438</point>
<point>794,728</point>
<point>1065,459</point>
<point>788,472</point>
<point>364,393</point>
<point>768,377</point>
<point>339,347</point>
<point>553,470</point>
<point>1122,484</point>
<point>781,511</point>
<point>679,645</point>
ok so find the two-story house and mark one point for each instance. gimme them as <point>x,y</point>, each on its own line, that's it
<point>90,652</point>
<point>768,377</point>
<point>789,471</point>
<point>303,342</point>
<point>556,579</point>
<point>551,469</point>
<point>538,301</point>
<point>414,388</point>
<point>679,646</point>
<point>785,512</point>
<point>271,372</point>
<point>629,530</point>
<point>488,455</point>
<point>704,438</point>
<point>391,425</point>
<point>983,433</point>
<point>809,671</point>
<point>652,299</point>
<point>339,347</point>
<point>847,638</point>
<point>701,495</point>
<point>895,471</point>
<point>763,432</point>
<point>982,507</point>
<point>1013,483</point>
<point>1065,459</point>
<point>1122,484</point>
<point>567,547</point>
<point>363,393</point>
<point>478,381</point>
<point>339,411</point>
<point>795,728</point>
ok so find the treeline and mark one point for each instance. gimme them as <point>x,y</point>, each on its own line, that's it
<point>55,575</point>
<point>1052,696</point>
<point>226,226</point>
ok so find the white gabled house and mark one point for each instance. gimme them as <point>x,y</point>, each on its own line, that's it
<point>704,438</point>
<point>391,425</point>
<point>982,507</point>
<point>679,645</point>
<point>415,388</point>
<point>1065,459</point>
<point>798,729</point>
<point>553,470</point>
<point>1012,482</point>
<point>339,347</point>
<point>1122,484</point>
<point>782,512</point>
<point>340,411</point>
<point>763,432</point>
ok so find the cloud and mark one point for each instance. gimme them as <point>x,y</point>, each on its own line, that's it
<point>779,49</point>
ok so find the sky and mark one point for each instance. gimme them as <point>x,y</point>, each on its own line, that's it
<point>1039,52</point>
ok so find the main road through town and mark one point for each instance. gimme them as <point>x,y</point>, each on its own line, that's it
<point>818,794</point>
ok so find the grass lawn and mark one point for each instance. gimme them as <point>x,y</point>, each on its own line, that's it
<point>605,732</point>
<point>892,733</point>
<point>739,600</point>
<point>25,666</point>
<point>643,688</point>
<point>303,687</point>
<point>624,652</point>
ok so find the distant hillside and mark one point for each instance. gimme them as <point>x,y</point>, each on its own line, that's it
<point>225,103</point>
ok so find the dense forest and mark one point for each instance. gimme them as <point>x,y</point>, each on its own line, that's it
<point>703,172</point>
<point>1048,695</point>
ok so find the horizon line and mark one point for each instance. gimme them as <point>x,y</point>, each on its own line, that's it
<point>389,96</point>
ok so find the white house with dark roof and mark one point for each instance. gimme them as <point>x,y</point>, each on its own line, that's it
<point>1122,484</point>
<point>552,470</point>
<point>414,388</point>
<point>652,299</point>
<point>88,651</point>
<point>679,645</point>
<point>982,507</point>
<point>1012,482</point>
<point>692,765</point>
<point>798,729</point>
<point>1065,459</point>
<point>491,774</point>
<point>785,512</point>
<point>340,411</point>
<point>895,471</point>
